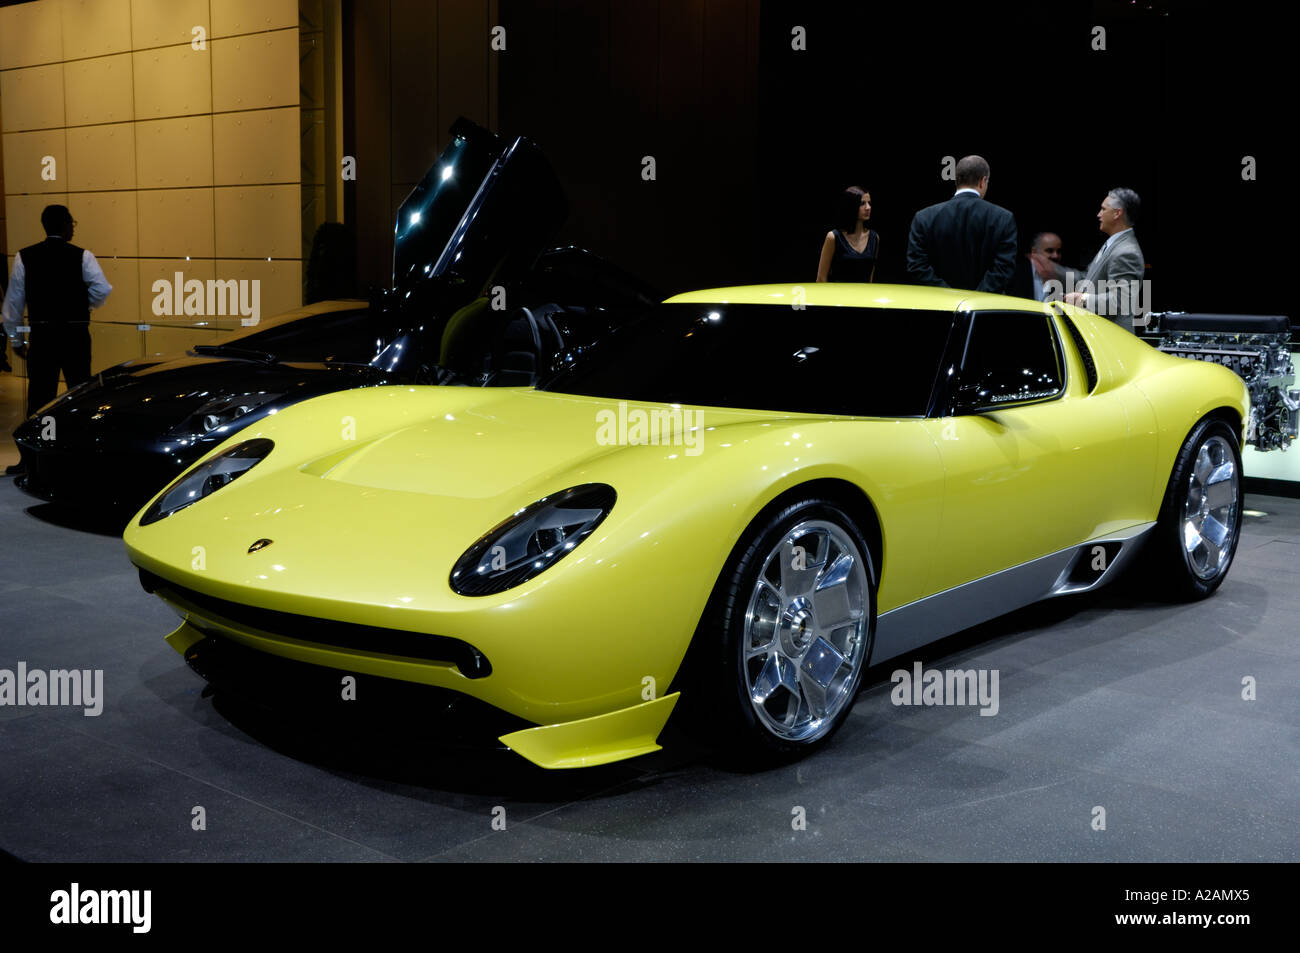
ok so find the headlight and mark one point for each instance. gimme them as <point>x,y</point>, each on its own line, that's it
<point>532,540</point>
<point>208,477</point>
<point>219,413</point>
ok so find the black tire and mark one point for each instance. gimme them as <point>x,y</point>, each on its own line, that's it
<point>716,687</point>
<point>1188,574</point>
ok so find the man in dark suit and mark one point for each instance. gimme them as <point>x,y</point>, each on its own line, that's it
<point>1030,280</point>
<point>964,242</point>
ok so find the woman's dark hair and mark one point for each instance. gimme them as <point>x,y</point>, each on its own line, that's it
<point>846,208</point>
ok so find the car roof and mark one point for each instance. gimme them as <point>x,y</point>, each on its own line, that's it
<point>851,295</point>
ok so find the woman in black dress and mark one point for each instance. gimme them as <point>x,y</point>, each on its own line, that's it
<point>850,249</point>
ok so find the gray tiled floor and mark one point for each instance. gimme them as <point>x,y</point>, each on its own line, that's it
<point>1109,700</point>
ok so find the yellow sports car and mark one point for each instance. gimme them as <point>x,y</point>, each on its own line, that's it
<point>739,498</point>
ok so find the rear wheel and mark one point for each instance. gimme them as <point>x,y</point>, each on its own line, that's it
<point>788,633</point>
<point>1200,520</point>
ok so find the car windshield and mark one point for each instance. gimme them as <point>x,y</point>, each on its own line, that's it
<point>874,362</point>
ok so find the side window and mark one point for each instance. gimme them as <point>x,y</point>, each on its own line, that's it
<point>1012,357</point>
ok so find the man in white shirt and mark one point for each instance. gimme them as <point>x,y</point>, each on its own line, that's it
<point>58,283</point>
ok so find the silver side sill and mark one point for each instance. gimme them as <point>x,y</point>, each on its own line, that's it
<point>1071,570</point>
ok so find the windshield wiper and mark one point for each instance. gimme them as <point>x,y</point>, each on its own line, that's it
<point>228,350</point>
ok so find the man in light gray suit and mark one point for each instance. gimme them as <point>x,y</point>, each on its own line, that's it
<point>1108,289</point>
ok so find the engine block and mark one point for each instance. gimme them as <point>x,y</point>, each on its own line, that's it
<point>1257,348</point>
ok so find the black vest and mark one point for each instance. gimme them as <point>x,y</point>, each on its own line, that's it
<point>56,292</point>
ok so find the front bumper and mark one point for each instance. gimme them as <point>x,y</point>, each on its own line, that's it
<point>278,659</point>
<point>93,479</point>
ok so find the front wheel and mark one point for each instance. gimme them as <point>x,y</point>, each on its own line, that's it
<point>788,632</point>
<point>1200,520</point>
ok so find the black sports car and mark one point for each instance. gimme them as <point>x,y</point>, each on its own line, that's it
<point>474,300</point>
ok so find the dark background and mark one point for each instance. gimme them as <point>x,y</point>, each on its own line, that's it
<point>753,140</point>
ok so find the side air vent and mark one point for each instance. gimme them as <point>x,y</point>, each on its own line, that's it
<point>1088,364</point>
<point>1087,567</point>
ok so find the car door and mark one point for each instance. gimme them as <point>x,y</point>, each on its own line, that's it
<point>1033,463</point>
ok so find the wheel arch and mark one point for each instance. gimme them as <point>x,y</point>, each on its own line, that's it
<point>850,496</point>
<point>1178,577</point>
<point>700,661</point>
<point>1229,415</point>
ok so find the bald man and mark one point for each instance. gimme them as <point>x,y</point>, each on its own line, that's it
<point>1046,245</point>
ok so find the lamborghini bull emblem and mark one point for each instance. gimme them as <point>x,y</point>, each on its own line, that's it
<point>260,544</point>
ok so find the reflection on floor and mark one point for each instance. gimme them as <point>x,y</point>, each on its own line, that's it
<point>1109,700</point>
<point>13,411</point>
<point>13,402</point>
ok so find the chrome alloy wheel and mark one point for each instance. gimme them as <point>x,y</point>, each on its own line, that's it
<point>1210,510</point>
<point>805,639</point>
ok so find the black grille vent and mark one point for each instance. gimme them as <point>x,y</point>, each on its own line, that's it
<point>1088,365</point>
<point>370,639</point>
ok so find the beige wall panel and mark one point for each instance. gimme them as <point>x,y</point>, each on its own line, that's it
<point>260,222</point>
<point>23,218</point>
<point>175,223</point>
<point>30,34</point>
<point>99,90</point>
<point>163,22</point>
<point>174,153</point>
<point>95,27</point>
<point>253,72</point>
<point>176,341</point>
<point>123,303</point>
<point>280,287</point>
<point>175,81</point>
<point>112,344</point>
<point>33,97</point>
<point>249,16</point>
<point>23,155</point>
<point>155,269</point>
<point>252,148</point>
<point>101,157</point>
<point>106,222</point>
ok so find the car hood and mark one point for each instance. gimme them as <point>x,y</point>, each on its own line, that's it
<point>146,400</point>
<point>510,437</point>
<point>404,479</point>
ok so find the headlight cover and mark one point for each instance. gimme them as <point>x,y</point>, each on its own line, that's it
<point>208,477</point>
<point>532,540</point>
<point>214,416</point>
